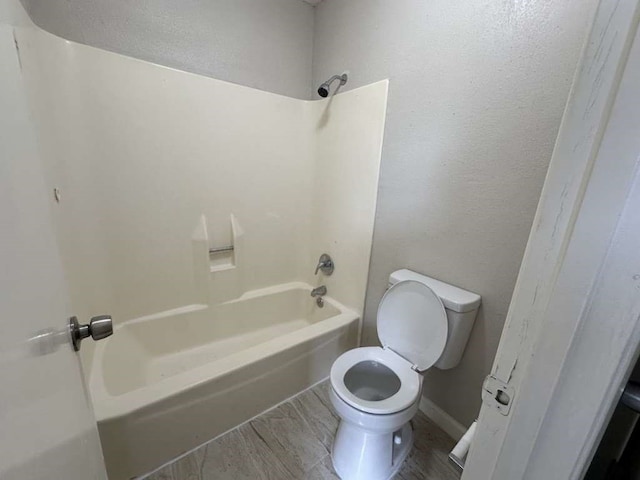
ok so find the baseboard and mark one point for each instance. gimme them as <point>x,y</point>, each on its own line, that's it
<point>441,418</point>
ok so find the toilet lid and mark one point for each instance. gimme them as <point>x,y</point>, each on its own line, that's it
<point>413,323</point>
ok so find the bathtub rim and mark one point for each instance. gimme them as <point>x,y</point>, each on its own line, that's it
<point>107,406</point>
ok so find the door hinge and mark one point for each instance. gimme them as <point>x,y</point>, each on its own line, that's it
<point>497,394</point>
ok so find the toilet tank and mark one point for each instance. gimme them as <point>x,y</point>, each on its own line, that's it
<point>461,307</point>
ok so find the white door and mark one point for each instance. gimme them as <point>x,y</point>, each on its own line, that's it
<point>573,328</point>
<point>47,427</point>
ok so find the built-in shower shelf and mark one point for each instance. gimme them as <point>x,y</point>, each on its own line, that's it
<point>222,258</point>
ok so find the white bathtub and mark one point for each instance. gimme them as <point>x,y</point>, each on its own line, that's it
<point>164,384</point>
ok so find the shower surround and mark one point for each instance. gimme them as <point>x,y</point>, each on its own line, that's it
<point>154,167</point>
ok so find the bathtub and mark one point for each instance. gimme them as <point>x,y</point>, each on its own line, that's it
<point>164,384</point>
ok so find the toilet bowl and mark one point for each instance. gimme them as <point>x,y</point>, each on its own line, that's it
<point>376,391</point>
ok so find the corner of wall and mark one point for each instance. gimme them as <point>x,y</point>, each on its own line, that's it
<point>446,422</point>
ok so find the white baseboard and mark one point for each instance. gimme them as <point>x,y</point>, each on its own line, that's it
<point>441,418</point>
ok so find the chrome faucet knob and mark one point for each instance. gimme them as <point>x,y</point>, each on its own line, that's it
<point>325,264</point>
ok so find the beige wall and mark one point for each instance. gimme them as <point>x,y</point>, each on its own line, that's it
<point>476,93</point>
<point>264,44</point>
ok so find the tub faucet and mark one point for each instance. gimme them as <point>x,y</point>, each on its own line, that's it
<point>319,291</point>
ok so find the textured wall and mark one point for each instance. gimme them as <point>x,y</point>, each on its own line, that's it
<point>476,94</point>
<point>265,45</point>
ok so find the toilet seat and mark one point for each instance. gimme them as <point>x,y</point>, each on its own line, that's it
<point>405,397</point>
<point>413,328</point>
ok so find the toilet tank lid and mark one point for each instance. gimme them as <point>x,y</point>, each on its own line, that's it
<point>453,298</point>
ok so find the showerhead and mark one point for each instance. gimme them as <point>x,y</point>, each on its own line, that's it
<point>323,90</point>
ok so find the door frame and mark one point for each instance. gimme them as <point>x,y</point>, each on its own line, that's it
<point>572,332</point>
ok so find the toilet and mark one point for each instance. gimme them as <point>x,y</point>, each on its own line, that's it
<point>376,391</point>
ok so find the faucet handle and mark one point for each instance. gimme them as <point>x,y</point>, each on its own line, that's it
<point>325,264</point>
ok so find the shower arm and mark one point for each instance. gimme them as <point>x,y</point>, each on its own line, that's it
<point>342,78</point>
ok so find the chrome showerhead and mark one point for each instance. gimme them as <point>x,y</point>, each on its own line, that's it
<point>323,90</point>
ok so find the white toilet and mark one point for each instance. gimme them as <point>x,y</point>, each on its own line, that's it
<point>422,322</point>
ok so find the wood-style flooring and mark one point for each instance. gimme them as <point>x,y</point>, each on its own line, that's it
<point>293,441</point>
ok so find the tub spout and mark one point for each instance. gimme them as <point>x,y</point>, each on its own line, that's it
<point>319,291</point>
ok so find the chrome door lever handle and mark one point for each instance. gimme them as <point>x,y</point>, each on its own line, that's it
<point>98,328</point>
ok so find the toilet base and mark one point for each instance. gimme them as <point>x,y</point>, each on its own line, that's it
<point>362,455</point>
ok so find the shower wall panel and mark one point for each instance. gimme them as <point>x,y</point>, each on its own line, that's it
<point>153,166</point>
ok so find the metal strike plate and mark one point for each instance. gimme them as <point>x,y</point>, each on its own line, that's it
<point>497,394</point>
